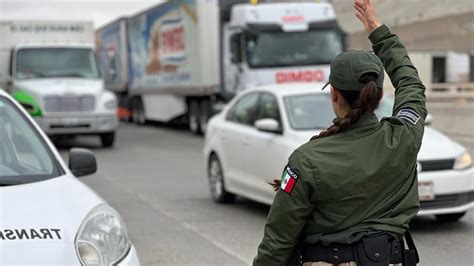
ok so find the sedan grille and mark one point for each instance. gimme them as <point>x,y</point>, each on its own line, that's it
<point>448,201</point>
<point>437,165</point>
<point>69,103</point>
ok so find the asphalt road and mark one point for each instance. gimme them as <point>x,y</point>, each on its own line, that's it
<point>155,178</point>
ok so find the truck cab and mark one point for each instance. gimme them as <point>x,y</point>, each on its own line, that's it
<point>279,43</point>
<point>60,85</point>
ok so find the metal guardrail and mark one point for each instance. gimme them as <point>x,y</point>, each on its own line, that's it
<point>451,90</point>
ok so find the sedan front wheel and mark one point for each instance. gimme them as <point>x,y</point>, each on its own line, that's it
<point>216,182</point>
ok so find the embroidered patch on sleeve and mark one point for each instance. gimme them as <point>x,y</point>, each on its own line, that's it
<point>288,180</point>
<point>410,115</point>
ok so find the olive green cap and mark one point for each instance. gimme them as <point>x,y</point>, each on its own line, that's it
<point>348,68</point>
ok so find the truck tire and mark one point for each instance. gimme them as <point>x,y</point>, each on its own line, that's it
<point>193,117</point>
<point>107,139</point>
<point>205,113</point>
<point>138,112</point>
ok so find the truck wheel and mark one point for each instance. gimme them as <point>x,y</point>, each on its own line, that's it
<point>107,139</point>
<point>450,217</point>
<point>204,115</point>
<point>193,116</point>
<point>138,112</point>
<point>216,182</point>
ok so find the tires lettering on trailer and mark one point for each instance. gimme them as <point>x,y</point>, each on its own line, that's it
<point>30,234</point>
<point>172,41</point>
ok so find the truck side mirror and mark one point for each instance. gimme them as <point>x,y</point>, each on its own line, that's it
<point>8,84</point>
<point>428,120</point>
<point>235,49</point>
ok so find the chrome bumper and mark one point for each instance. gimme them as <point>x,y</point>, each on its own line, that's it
<point>78,124</point>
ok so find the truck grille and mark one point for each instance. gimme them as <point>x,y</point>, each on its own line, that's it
<point>447,201</point>
<point>437,165</point>
<point>69,103</point>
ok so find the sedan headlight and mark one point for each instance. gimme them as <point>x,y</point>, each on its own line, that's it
<point>102,238</point>
<point>463,161</point>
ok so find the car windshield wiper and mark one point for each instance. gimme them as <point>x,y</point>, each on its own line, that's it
<point>74,75</point>
<point>32,74</point>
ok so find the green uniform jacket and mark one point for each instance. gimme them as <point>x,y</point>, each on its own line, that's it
<point>358,181</point>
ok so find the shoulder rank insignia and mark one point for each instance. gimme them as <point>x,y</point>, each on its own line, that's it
<point>409,114</point>
<point>288,180</point>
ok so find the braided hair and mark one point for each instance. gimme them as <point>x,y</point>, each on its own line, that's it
<point>363,102</point>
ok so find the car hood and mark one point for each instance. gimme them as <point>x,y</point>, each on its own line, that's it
<point>60,86</point>
<point>47,215</point>
<point>435,145</point>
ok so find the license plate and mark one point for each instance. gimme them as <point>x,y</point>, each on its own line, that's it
<point>426,191</point>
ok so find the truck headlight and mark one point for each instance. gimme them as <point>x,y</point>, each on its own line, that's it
<point>463,161</point>
<point>102,238</point>
<point>111,105</point>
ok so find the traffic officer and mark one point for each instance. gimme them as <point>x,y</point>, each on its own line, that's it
<point>346,197</point>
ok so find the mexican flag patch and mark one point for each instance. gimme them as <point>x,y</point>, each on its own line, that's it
<point>288,180</point>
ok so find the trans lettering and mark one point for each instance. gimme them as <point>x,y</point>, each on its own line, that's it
<point>30,234</point>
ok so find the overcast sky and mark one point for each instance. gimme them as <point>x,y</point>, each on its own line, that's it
<point>99,11</point>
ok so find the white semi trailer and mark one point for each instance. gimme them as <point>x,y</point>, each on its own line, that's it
<point>50,67</point>
<point>184,57</point>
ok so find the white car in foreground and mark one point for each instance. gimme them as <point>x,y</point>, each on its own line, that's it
<point>47,216</point>
<point>249,142</point>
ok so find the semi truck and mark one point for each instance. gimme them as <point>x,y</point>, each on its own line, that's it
<point>50,68</point>
<point>185,58</point>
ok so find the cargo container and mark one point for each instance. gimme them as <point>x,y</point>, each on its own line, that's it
<point>184,58</point>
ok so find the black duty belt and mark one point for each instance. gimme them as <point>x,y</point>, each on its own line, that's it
<point>381,249</point>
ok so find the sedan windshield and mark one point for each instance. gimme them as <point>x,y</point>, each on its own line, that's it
<point>24,157</point>
<point>56,62</point>
<point>275,49</point>
<point>314,111</point>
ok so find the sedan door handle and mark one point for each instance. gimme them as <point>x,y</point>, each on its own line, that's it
<point>245,142</point>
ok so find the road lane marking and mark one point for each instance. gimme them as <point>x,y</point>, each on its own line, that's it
<point>186,225</point>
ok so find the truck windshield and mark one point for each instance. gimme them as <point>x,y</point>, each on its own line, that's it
<point>275,49</point>
<point>24,157</point>
<point>56,62</point>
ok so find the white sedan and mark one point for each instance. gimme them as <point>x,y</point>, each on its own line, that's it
<point>47,216</point>
<point>249,142</point>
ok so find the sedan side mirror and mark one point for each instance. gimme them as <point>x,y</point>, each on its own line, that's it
<point>9,83</point>
<point>82,162</point>
<point>268,125</point>
<point>428,119</point>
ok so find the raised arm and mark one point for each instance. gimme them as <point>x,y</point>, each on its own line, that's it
<point>409,107</point>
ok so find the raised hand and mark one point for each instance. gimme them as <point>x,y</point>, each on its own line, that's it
<point>365,12</point>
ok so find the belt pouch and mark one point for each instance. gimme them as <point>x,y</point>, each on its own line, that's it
<point>373,250</point>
